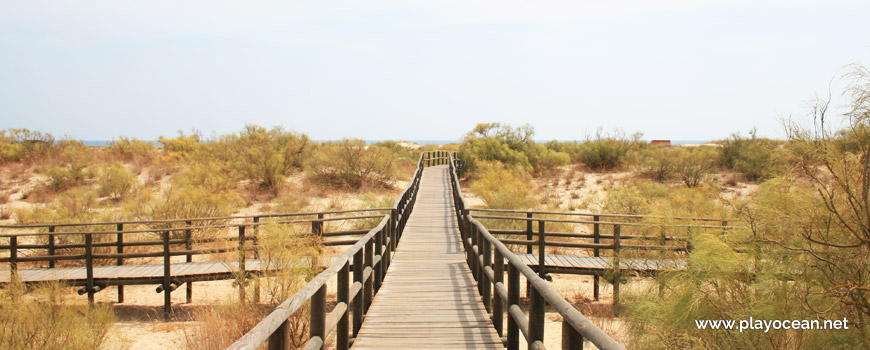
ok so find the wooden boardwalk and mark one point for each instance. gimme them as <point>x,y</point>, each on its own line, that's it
<point>429,299</point>
<point>137,274</point>
<point>588,265</point>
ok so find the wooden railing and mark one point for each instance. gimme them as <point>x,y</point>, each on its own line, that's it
<point>359,272</point>
<point>486,258</point>
<point>65,245</point>
<point>617,242</point>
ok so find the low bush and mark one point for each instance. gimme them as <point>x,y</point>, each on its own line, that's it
<point>756,158</point>
<point>131,149</point>
<point>607,151</point>
<point>694,164</point>
<point>513,147</point>
<point>116,182</point>
<point>266,157</point>
<point>181,146</point>
<point>504,188</point>
<point>349,164</point>
<point>21,144</point>
<point>44,318</point>
<point>655,163</point>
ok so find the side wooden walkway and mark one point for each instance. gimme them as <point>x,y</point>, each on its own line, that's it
<point>138,274</point>
<point>429,299</point>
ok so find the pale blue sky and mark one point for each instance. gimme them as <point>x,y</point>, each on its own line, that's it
<point>390,69</point>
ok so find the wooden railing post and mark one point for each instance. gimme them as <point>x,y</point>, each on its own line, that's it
<point>120,249</point>
<point>394,229</point>
<point>317,227</point>
<point>368,287</point>
<point>188,245</point>
<point>167,278</point>
<point>13,255</point>
<point>342,342</point>
<point>378,271</point>
<point>530,236</point>
<point>529,232</point>
<point>51,262</point>
<point>536,318</point>
<point>616,267</point>
<point>89,265</point>
<point>596,238</point>
<point>513,285</point>
<point>280,339</point>
<point>358,299</point>
<point>317,326</point>
<point>724,227</point>
<point>542,249</point>
<point>497,302</point>
<point>484,279</point>
<point>571,338</point>
<point>242,279</point>
<point>477,270</point>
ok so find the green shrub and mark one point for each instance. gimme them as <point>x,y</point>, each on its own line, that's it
<point>754,157</point>
<point>45,318</point>
<point>21,144</point>
<point>694,164</point>
<point>75,158</point>
<point>504,188</point>
<point>655,163</point>
<point>513,147</point>
<point>116,182</point>
<point>131,148</point>
<point>605,152</point>
<point>181,146</point>
<point>349,164</point>
<point>183,199</point>
<point>265,156</point>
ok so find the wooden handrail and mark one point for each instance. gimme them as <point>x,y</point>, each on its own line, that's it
<point>167,221</point>
<point>518,211</point>
<point>480,245</point>
<point>203,227</point>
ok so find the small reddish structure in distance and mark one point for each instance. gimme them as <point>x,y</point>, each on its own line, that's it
<point>661,142</point>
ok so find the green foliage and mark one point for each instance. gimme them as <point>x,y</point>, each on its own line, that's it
<point>116,182</point>
<point>504,188</point>
<point>73,169</point>
<point>693,164</point>
<point>607,151</point>
<point>45,318</point>
<point>132,148</point>
<point>655,162</point>
<point>265,156</point>
<point>199,191</point>
<point>21,144</point>
<point>181,146</point>
<point>754,157</point>
<point>349,164</point>
<point>513,147</point>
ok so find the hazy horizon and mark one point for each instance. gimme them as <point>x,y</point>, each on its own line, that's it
<point>410,70</point>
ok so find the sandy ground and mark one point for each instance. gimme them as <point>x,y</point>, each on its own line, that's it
<point>139,320</point>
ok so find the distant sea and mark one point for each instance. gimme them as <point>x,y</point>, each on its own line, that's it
<point>105,143</point>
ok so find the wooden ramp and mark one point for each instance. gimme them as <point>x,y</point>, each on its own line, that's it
<point>428,299</point>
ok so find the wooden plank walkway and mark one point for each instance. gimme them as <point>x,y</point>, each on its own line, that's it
<point>588,264</point>
<point>137,274</point>
<point>428,299</point>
